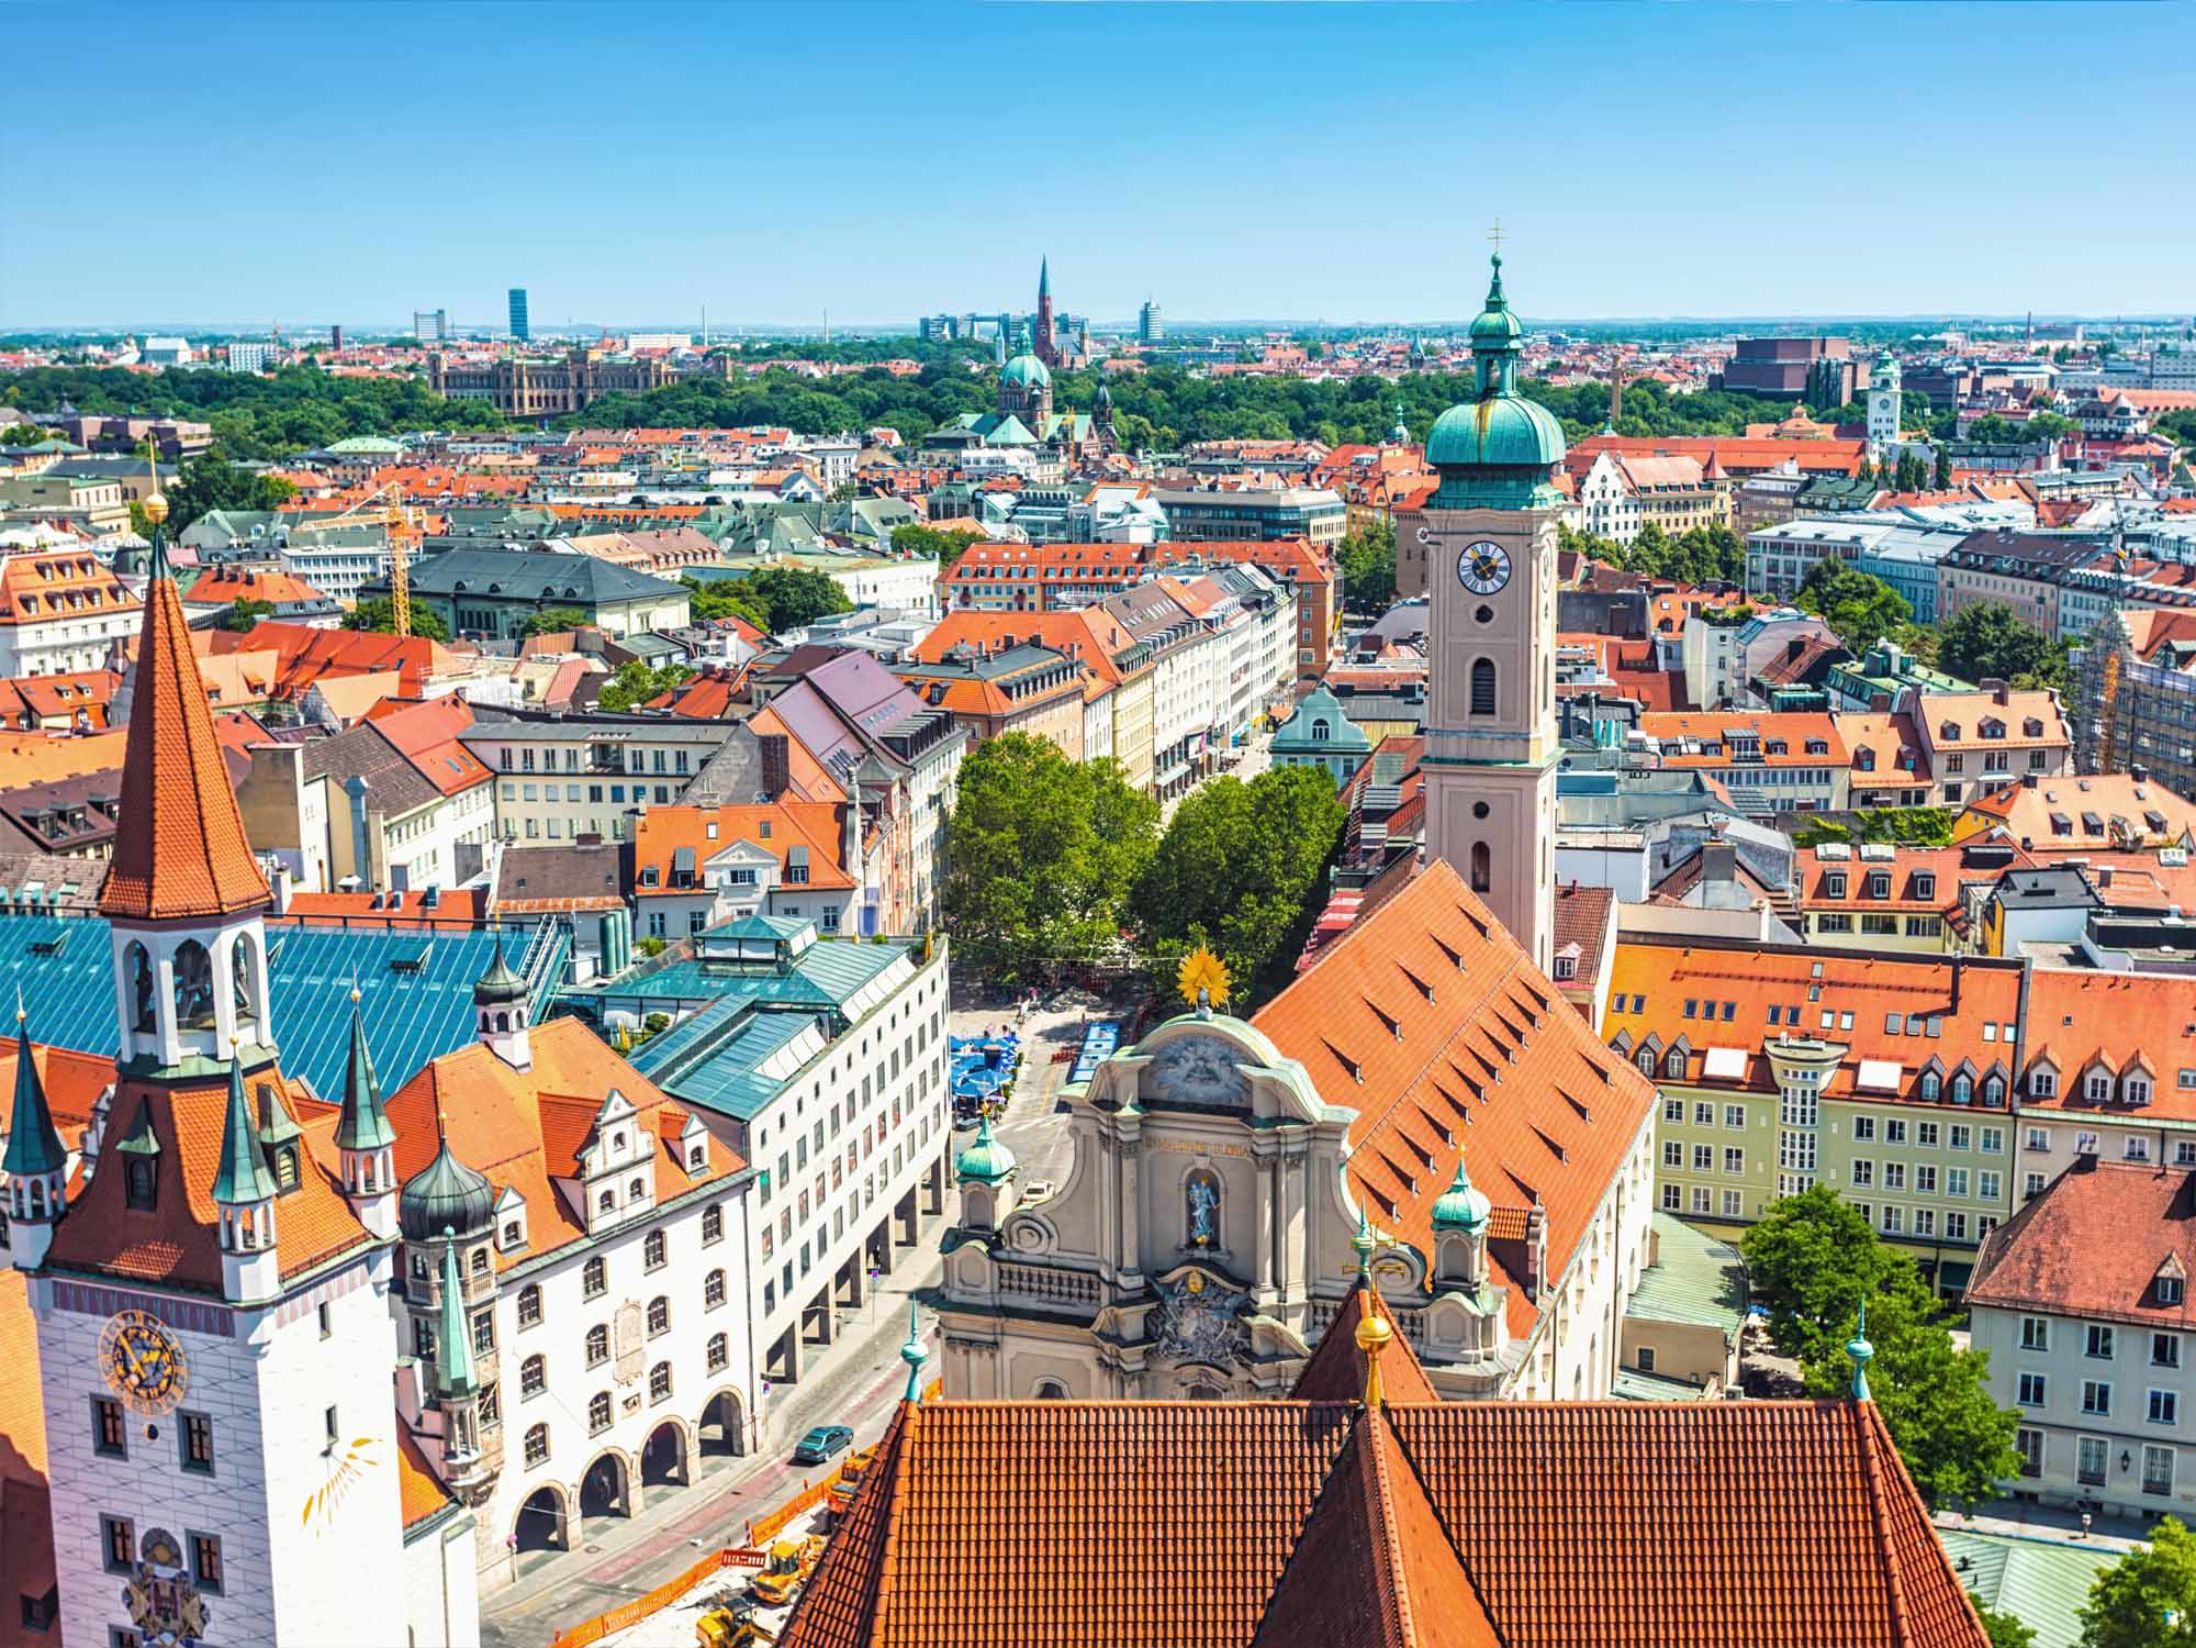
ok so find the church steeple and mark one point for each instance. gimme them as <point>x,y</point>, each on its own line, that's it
<point>244,1193</point>
<point>365,1140</point>
<point>36,1163</point>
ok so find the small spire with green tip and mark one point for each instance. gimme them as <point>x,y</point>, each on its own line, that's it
<point>34,1144</point>
<point>913,1355</point>
<point>243,1177</point>
<point>454,1374</point>
<point>1364,1243</point>
<point>1860,1350</point>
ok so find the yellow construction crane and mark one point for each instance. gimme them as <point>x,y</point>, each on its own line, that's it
<point>396,520</point>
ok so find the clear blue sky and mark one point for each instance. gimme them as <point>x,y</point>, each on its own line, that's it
<point>631,162</point>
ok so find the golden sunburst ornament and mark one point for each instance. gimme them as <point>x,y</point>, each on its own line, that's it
<point>1203,980</point>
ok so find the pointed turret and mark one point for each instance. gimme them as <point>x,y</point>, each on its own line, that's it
<point>36,1163</point>
<point>911,1352</point>
<point>1044,278</point>
<point>1862,1353</point>
<point>244,1193</point>
<point>455,1375</point>
<point>365,1140</point>
<point>985,1171</point>
<point>500,1009</point>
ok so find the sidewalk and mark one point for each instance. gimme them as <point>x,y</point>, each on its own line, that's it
<point>620,1560</point>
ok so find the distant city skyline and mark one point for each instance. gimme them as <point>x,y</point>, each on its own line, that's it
<point>1307,163</point>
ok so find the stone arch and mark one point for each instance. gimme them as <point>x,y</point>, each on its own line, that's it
<point>1049,1390</point>
<point>144,992</point>
<point>1482,876</point>
<point>667,1457</point>
<point>541,1523</point>
<point>606,1486</point>
<point>244,980</point>
<point>1483,698</point>
<point>722,1429</point>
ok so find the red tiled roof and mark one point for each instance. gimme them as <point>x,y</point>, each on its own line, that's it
<point>1429,1021</point>
<point>2093,1243</point>
<point>180,851</point>
<point>2078,1019</point>
<point>1454,1524</point>
<point>1582,917</point>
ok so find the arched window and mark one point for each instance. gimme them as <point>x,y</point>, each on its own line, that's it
<point>1482,868</point>
<point>1321,731</point>
<point>242,986</point>
<point>537,1445</point>
<point>38,1198</point>
<point>659,1316</point>
<point>194,991</point>
<point>594,1277</point>
<point>480,1261</point>
<point>598,1413</point>
<point>143,1020</point>
<point>1207,1393</point>
<point>529,1305</point>
<point>1050,1390</point>
<point>636,1190</point>
<point>598,1345</point>
<point>533,1376</point>
<point>1201,1208</point>
<point>652,1250</point>
<point>659,1382</point>
<point>607,1202</point>
<point>139,1182</point>
<point>713,1290</point>
<point>720,1352</point>
<point>1483,686</point>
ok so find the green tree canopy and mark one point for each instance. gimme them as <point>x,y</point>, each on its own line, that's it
<point>634,684</point>
<point>554,621</point>
<point>1367,561</point>
<point>243,614</point>
<point>709,599</point>
<point>1988,642</point>
<point>1811,1261</point>
<point>1238,869</point>
<point>2005,1630</point>
<point>794,597</point>
<point>2147,1599</point>
<point>1042,851</point>
<point>376,612</point>
<point>210,482</point>
<point>913,538</point>
<point>1860,607</point>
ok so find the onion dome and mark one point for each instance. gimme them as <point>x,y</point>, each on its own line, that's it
<point>1498,437</point>
<point>987,1161</point>
<point>445,1195</point>
<point>1460,1207</point>
<point>1104,399</point>
<point>499,986</point>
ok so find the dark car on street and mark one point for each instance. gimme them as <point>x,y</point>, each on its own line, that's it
<point>821,1443</point>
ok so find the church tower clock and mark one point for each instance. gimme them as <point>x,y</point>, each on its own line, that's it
<point>1488,535</point>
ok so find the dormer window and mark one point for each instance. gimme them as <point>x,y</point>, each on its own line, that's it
<point>1879,884</point>
<point>1833,884</point>
<point>2043,1083</point>
<point>1673,1064</point>
<point>285,1168</point>
<point>2170,1284</point>
<point>2136,1089</point>
<point>1925,884</point>
<point>1949,732</point>
<point>1646,1061</point>
<point>1931,1086</point>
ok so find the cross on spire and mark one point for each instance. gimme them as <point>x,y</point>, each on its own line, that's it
<point>1495,238</point>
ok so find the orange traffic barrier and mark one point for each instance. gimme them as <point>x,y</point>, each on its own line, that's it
<point>764,1529</point>
<point>632,1613</point>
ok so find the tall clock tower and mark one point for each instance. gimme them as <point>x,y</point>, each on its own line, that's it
<point>1488,536</point>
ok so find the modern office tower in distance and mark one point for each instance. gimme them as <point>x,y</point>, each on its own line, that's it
<point>1150,328</point>
<point>521,329</point>
<point>431,325</point>
<point>335,339</point>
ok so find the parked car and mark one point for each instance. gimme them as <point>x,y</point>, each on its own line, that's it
<point>821,1443</point>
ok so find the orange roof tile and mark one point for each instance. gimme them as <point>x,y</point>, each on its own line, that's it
<point>1429,1021</point>
<point>182,851</point>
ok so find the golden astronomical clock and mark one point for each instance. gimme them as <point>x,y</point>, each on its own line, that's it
<point>142,1363</point>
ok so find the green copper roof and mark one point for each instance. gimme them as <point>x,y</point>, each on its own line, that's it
<point>454,1375</point>
<point>1862,1352</point>
<point>1460,1207</point>
<point>987,1161</point>
<point>243,1178</point>
<point>499,983</point>
<point>445,1195</point>
<point>1026,370</point>
<point>1295,736</point>
<point>34,1147</point>
<point>1495,450</point>
<point>364,1124</point>
<point>912,1354</point>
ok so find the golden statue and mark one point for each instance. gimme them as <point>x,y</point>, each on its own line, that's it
<point>1203,980</point>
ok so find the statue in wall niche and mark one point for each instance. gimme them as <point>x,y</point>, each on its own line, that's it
<point>1204,1209</point>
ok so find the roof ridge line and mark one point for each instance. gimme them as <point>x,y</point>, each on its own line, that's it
<point>1867,1423</point>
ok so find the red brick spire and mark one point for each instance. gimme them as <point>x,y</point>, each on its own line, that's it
<point>180,852</point>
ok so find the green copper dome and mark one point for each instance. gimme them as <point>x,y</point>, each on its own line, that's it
<point>443,1196</point>
<point>1026,371</point>
<point>1502,430</point>
<point>1496,450</point>
<point>1460,1206</point>
<point>987,1161</point>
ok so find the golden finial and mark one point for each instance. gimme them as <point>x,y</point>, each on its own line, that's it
<point>1373,1334</point>
<point>1203,980</point>
<point>154,504</point>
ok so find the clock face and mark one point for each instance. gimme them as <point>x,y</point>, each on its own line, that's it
<point>142,1363</point>
<point>1483,568</point>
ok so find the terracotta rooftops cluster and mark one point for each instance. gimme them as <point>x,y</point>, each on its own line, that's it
<point>1379,1518</point>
